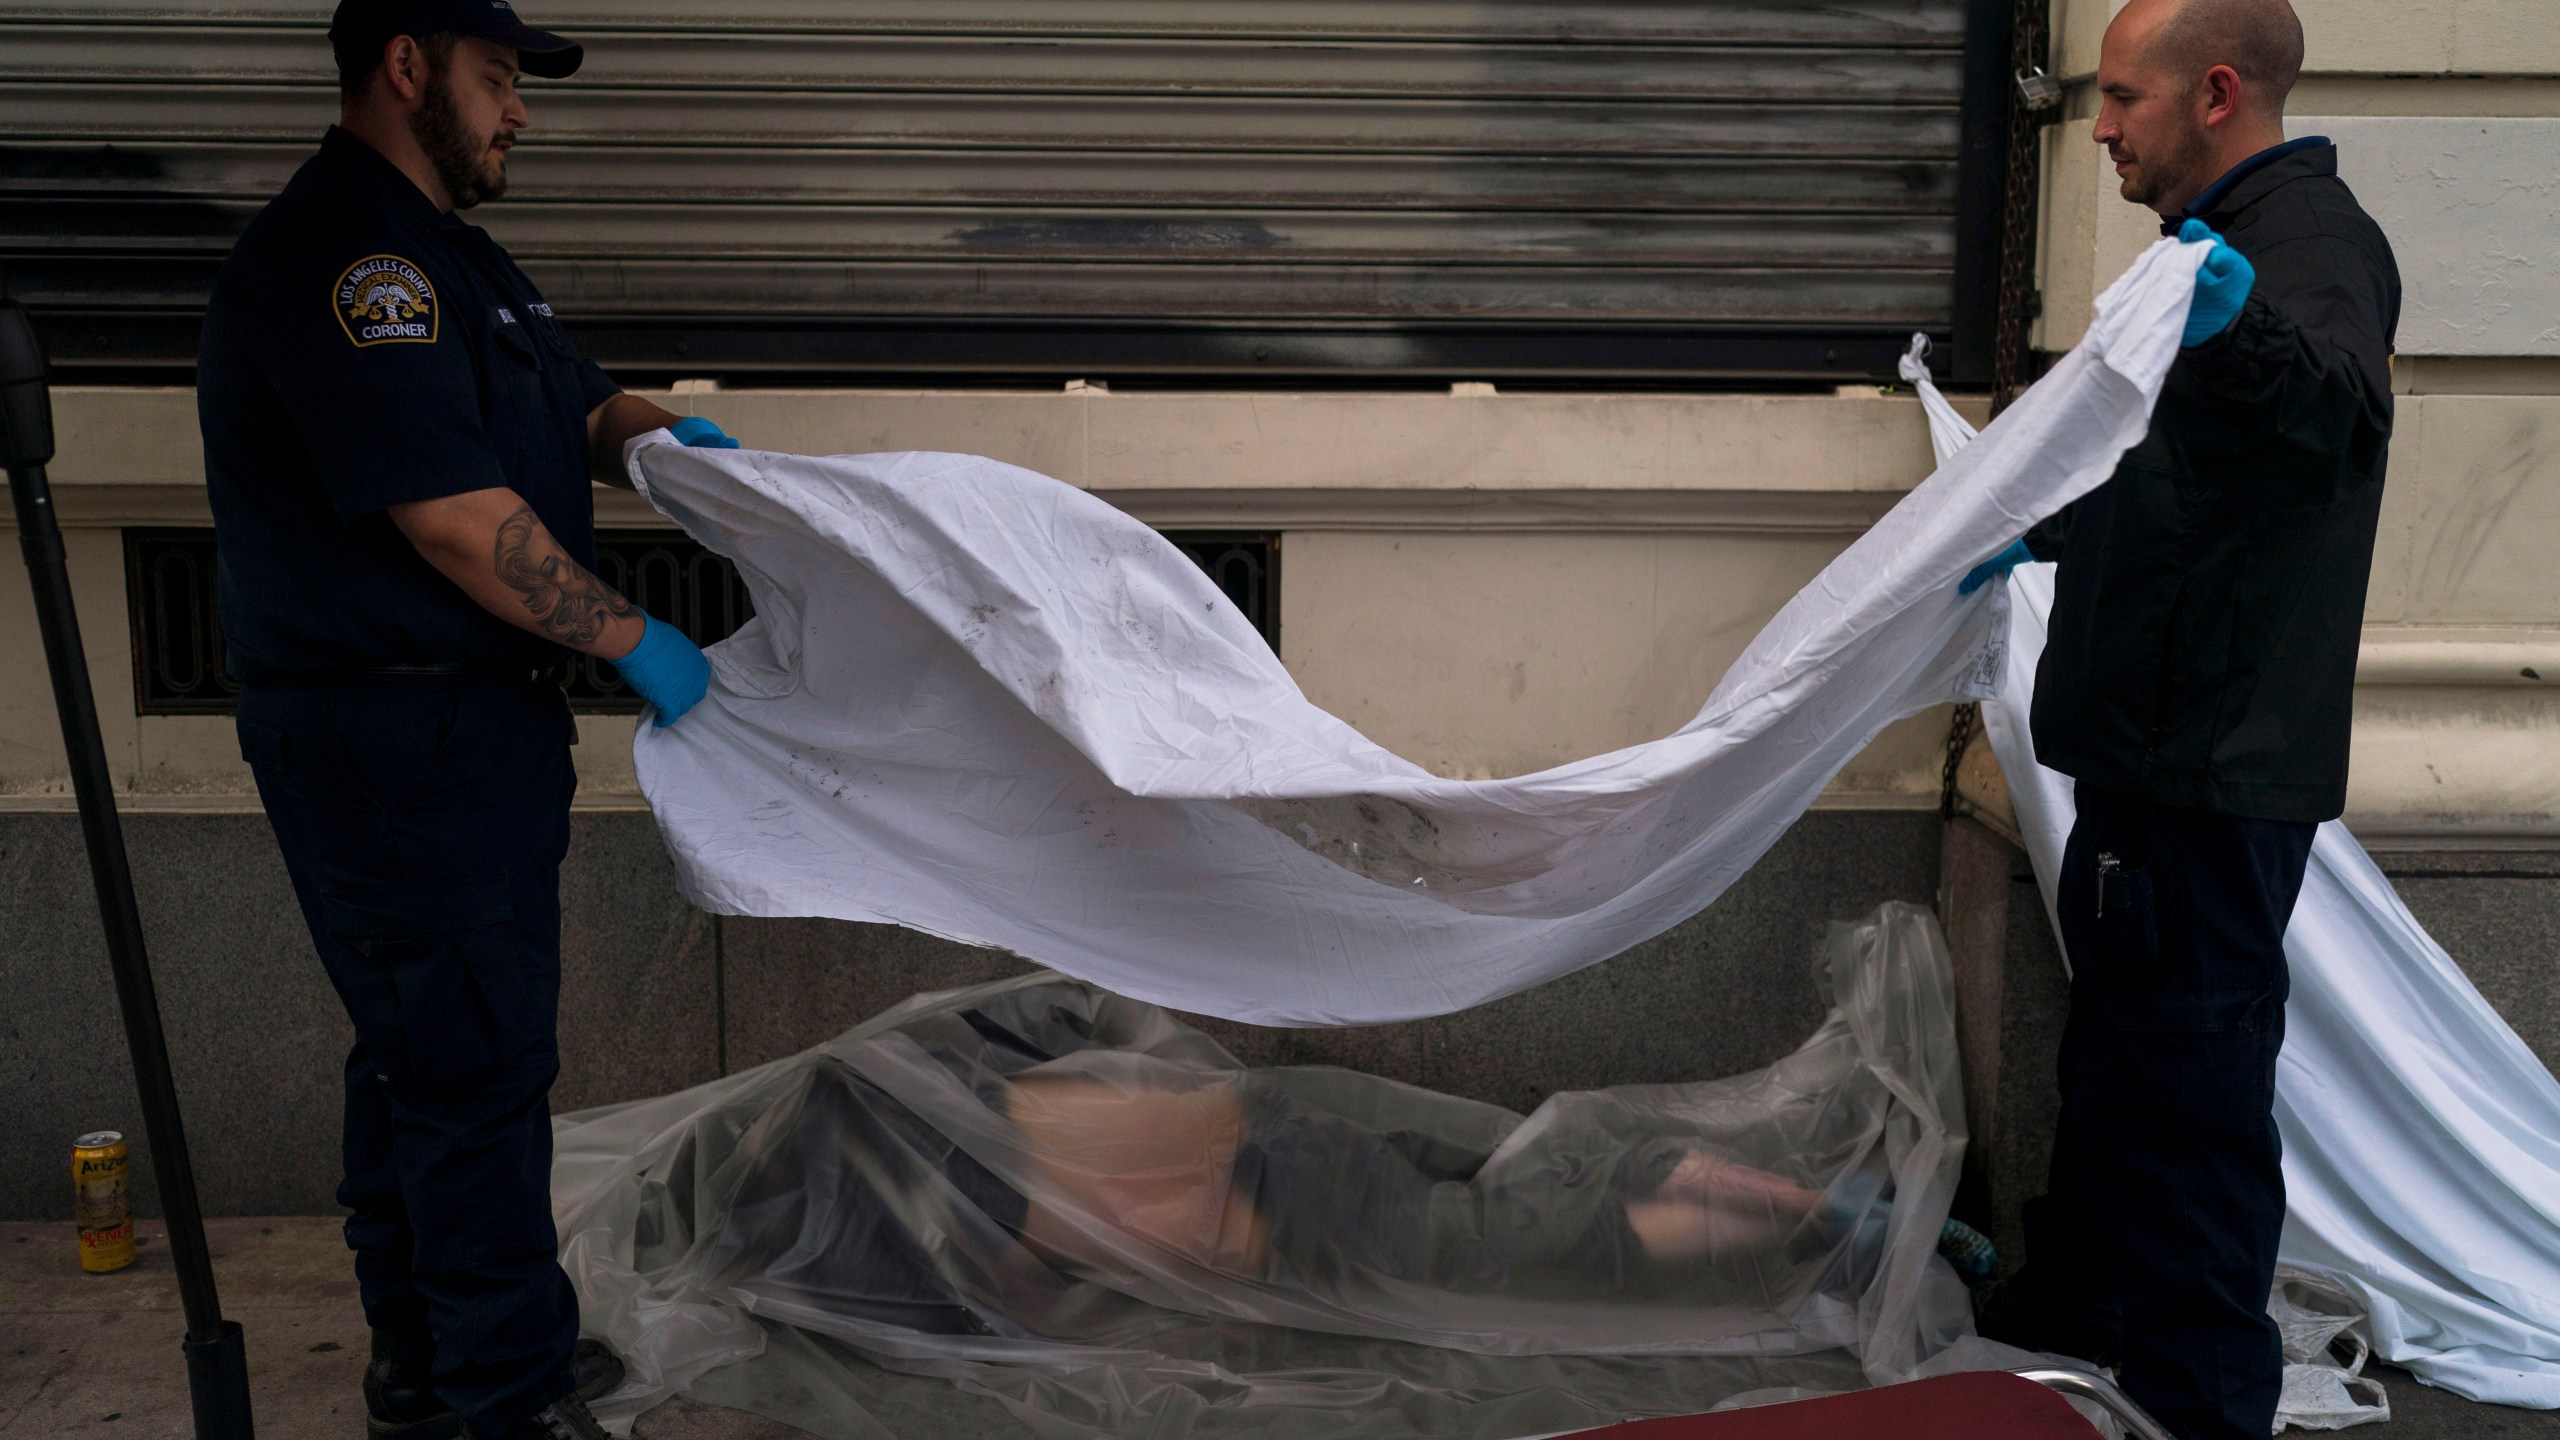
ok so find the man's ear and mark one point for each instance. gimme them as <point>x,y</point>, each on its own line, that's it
<point>2221,90</point>
<point>404,67</point>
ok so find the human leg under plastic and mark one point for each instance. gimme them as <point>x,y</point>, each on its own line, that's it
<point>987,1171</point>
<point>1216,1172</point>
<point>1039,1190</point>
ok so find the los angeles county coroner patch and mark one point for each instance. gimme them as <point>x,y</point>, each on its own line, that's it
<point>383,300</point>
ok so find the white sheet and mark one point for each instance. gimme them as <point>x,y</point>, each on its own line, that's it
<point>980,703</point>
<point>2422,1139</point>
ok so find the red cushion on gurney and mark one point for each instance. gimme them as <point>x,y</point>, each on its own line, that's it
<point>1986,1405</point>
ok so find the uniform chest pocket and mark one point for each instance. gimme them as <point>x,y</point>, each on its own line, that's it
<point>525,408</point>
<point>516,394</point>
<point>553,336</point>
<point>515,342</point>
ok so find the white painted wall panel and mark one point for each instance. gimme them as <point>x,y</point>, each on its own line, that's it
<point>2371,37</point>
<point>2469,514</point>
<point>2472,207</point>
<point>2458,37</point>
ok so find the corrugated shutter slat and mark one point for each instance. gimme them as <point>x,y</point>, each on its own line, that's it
<point>1092,166</point>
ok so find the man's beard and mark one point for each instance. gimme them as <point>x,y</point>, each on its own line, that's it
<point>454,152</point>
<point>2163,169</point>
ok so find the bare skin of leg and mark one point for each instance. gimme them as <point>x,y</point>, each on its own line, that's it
<point>1156,1164</point>
<point>1708,1209</point>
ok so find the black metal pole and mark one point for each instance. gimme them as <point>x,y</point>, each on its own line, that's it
<point>217,1365</point>
<point>1982,166</point>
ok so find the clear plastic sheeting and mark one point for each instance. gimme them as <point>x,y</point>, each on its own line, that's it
<point>984,704</point>
<point>1087,1215</point>
<point>2323,1324</point>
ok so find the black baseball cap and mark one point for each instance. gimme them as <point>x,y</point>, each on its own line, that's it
<point>360,29</point>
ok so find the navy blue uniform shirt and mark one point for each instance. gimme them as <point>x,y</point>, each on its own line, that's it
<point>2210,604</point>
<point>361,350</point>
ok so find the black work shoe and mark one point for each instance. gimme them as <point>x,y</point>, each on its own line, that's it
<point>560,1420</point>
<point>397,1403</point>
<point>594,1371</point>
<point>2007,1310</point>
<point>400,1406</point>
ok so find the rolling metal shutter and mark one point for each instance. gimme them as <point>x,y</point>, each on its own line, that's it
<point>1456,188</point>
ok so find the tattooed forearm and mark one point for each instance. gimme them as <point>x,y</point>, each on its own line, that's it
<point>567,602</point>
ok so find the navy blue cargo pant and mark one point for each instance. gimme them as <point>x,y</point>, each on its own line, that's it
<point>424,819</point>
<point>2155,1244</point>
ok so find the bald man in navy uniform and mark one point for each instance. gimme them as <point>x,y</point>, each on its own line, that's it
<point>2198,685</point>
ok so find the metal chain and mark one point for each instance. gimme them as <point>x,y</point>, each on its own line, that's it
<point>2009,357</point>
<point>1960,730</point>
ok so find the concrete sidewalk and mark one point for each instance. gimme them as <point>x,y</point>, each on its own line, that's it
<point>97,1355</point>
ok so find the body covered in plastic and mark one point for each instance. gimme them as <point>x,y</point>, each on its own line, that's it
<point>1035,1173</point>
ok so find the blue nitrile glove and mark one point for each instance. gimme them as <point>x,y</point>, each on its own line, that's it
<point>2222,286</point>
<point>701,434</point>
<point>668,670</point>
<point>2001,564</point>
<point>1969,1251</point>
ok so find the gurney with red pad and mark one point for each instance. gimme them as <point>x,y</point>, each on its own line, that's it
<point>1982,1405</point>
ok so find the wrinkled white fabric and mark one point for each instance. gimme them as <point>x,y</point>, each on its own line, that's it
<point>980,703</point>
<point>2421,1137</point>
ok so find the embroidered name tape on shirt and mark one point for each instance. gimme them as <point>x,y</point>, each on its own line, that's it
<point>383,300</point>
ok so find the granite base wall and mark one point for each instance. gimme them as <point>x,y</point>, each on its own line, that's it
<point>657,995</point>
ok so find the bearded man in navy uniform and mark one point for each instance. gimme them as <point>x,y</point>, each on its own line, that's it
<point>399,440</point>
